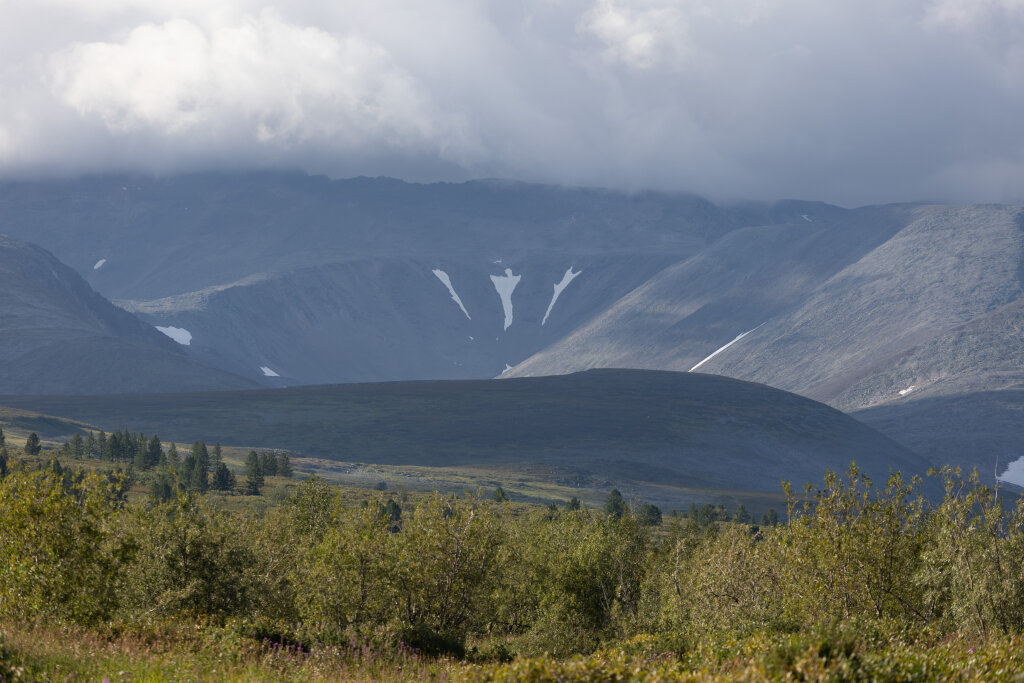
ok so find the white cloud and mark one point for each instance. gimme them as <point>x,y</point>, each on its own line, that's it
<point>851,101</point>
<point>264,80</point>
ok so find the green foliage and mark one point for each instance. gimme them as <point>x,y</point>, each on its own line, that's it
<point>186,559</point>
<point>57,557</point>
<point>858,582</point>
<point>499,495</point>
<point>971,567</point>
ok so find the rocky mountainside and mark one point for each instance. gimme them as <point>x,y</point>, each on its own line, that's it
<point>58,336</point>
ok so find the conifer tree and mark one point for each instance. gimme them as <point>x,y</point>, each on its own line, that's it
<point>101,444</point>
<point>90,446</point>
<point>112,446</point>
<point>268,464</point>
<point>614,505</point>
<point>223,478</point>
<point>649,514</point>
<point>253,474</point>
<point>3,439</point>
<point>3,461</point>
<point>162,488</point>
<point>217,457</point>
<point>32,445</point>
<point>741,516</point>
<point>284,465</point>
<point>172,457</point>
<point>77,446</point>
<point>200,464</point>
<point>154,452</point>
<point>140,460</point>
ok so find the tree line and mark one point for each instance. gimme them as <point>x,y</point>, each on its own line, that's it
<point>197,471</point>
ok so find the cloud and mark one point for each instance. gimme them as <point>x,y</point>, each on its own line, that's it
<point>851,101</point>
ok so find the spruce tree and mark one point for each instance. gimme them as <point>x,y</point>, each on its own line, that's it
<point>268,464</point>
<point>172,457</point>
<point>284,465</point>
<point>614,505</point>
<point>223,478</point>
<point>163,487</point>
<point>101,444</point>
<point>90,446</point>
<point>32,445</point>
<point>649,515</point>
<point>253,474</point>
<point>77,446</point>
<point>140,460</point>
<point>741,516</point>
<point>3,439</point>
<point>3,461</point>
<point>195,467</point>
<point>188,464</point>
<point>154,452</point>
<point>217,458</point>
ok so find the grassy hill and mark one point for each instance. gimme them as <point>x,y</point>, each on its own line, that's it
<point>639,430</point>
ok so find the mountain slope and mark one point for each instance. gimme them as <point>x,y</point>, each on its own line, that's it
<point>59,336</point>
<point>677,429</point>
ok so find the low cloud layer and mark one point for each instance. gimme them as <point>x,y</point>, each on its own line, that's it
<point>849,101</point>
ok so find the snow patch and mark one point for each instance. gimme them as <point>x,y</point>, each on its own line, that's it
<point>506,284</point>
<point>806,217</point>
<point>1014,473</point>
<point>724,348</point>
<point>178,334</point>
<point>99,264</point>
<point>267,372</point>
<point>566,279</point>
<point>507,368</point>
<point>904,392</point>
<point>447,282</point>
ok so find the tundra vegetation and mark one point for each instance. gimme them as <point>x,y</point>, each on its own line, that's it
<point>856,581</point>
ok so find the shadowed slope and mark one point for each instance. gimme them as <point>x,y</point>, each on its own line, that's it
<point>671,428</point>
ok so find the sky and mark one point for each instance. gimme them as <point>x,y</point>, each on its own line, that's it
<point>848,101</point>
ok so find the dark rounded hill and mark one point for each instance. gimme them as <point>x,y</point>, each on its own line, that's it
<point>676,429</point>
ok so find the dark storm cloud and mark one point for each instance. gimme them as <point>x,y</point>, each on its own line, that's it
<point>850,101</point>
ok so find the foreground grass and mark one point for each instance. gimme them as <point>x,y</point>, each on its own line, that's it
<point>40,653</point>
<point>197,653</point>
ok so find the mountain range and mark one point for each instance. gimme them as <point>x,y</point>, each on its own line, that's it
<point>906,316</point>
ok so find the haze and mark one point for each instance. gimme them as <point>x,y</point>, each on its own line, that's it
<point>849,101</point>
